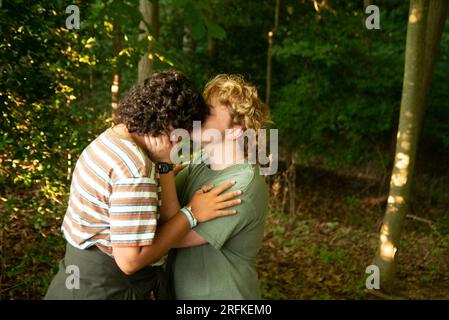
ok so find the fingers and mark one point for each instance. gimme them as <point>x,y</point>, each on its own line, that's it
<point>146,138</point>
<point>207,187</point>
<point>155,142</point>
<point>229,195</point>
<point>228,204</point>
<point>165,139</point>
<point>223,213</point>
<point>223,187</point>
<point>149,141</point>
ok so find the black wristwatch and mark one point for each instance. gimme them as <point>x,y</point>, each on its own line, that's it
<point>164,167</point>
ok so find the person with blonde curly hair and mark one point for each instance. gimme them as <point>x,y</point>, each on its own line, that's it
<point>217,259</point>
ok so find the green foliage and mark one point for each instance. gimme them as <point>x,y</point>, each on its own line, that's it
<point>336,90</point>
<point>341,87</point>
<point>235,30</point>
<point>45,123</point>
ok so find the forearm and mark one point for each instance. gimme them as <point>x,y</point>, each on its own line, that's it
<point>167,235</point>
<point>170,203</point>
<point>132,259</point>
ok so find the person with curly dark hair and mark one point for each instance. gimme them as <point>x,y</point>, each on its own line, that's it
<point>121,218</point>
<point>163,101</point>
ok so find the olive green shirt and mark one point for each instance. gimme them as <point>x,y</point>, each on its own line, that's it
<point>225,267</point>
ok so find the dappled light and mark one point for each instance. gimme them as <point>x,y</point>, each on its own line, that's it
<point>415,15</point>
<point>405,145</point>
<point>350,158</point>
<point>387,248</point>
<point>395,199</point>
<point>399,177</point>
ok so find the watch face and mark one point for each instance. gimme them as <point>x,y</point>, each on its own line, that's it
<point>164,167</point>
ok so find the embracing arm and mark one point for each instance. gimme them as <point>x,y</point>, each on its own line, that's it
<point>205,206</point>
<point>169,198</point>
<point>159,149</point>
<point>132,259</point>
<point>170,205</point>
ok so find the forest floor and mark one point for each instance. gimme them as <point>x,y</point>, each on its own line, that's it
<point>322,250</point>
<point>319,252</point>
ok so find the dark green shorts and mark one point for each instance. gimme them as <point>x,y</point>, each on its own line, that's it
<point>92,274</point>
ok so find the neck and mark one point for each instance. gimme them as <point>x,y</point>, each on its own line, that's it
<point>231,153</point>
<point>123,131</point>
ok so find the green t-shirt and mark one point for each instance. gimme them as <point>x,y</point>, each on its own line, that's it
<point>224,268</point>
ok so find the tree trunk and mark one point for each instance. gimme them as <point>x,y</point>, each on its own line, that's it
<point>115,90</point>
<point>269,66</point>
<point>150,27</point>
<point>292,184</point>
<point>419,54</point>
<point>211,48</point>
<point>438,10</point>
<point>116,48</point>
<point>367,3</point>
<point>211,43</point>
<point>269,53</point>
<point>187,42</point>
<point>91,77</point>
<point>436,17</point>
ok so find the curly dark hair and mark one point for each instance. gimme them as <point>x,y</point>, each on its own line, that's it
<point>165,99</point>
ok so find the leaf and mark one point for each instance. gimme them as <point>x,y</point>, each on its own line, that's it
<point>90,42</point>
<point>191,14</point>
<point>180,2</point>
<point>198,31</point>
<point>215,31</point>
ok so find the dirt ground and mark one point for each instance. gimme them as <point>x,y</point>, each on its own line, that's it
<point>322,250</point>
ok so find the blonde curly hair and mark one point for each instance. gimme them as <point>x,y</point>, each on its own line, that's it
<point>231,90</point>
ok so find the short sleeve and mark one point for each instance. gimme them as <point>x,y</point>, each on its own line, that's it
<point>220,230</point>
<point>133,211</point>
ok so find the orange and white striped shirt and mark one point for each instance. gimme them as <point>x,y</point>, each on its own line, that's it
<point>114,196</point>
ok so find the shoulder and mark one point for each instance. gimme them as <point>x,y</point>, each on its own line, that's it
<point>124,158</point>
<point>248,179</point>
<point>254,190</point>
<point>244,176</point>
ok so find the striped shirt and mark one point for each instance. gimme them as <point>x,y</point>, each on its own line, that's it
<point>114,196</point>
